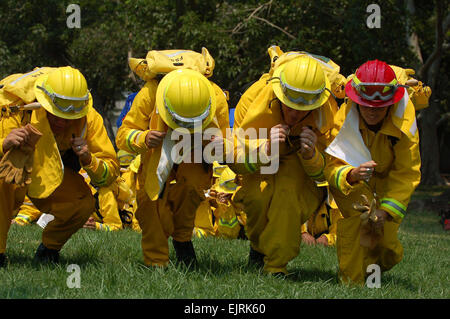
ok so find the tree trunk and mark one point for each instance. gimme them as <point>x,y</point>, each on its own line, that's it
<point>429,144</point>
<point>101,106</point>
<point>411,36</point>
<point>427,119</point>
<point>109,130</point>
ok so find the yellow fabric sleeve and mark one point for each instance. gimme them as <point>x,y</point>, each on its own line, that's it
<point>403,178</point>
<point>135,125</point>
<point>314,166</point>
<point>104,168</point>
<point>7,124</point>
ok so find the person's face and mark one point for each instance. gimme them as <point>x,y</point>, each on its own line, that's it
<point>373,115</point>
<point>291,116</point>
<point>58,124</point>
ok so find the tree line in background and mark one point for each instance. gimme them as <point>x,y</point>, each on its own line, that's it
<point>413,34</point>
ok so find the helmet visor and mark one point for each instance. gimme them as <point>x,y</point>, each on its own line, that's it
<point>297,96</point>
<point>66,104</point>
<point>376,91</point>
<point>187,122</point>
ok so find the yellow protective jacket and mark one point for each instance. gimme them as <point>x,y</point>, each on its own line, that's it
<point>48,166</point>
<point>395,149</point>
<point>143,118</point>
<point>229,219</point>
<point>203,222</point>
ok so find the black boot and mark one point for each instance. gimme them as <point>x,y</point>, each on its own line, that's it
<point>2,260</point>
<point>46,255</point>
<point>185,253</point>
<point>255,258</point>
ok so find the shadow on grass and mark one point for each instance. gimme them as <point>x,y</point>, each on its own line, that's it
<point>23,259</point>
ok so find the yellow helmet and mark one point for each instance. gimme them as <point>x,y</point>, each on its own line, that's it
<point>186,98</point>
<point>226,183</point>
<point>301,84</point>
<point>64,93</point>
<point>218,169</point>
<point>125,158</point>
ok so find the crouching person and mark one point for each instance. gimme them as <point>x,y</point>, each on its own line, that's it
<point>373,170</point>
<point>169,192</point>
<point>42,159</point>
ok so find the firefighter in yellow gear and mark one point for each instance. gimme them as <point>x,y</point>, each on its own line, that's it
<point>129,176</point>
<point>218,216</point>
<point>183,101</point>
<point>70,135</point>
<point>297,108</point>
<point>375,153</point>
<point>321,227</point>
<point>114,203</point>
<point>230,219</point>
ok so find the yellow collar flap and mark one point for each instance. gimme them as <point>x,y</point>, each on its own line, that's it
<point>48,169</point>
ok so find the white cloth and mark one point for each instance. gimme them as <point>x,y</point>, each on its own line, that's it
<point>44,220</point>
<point>348,144</point>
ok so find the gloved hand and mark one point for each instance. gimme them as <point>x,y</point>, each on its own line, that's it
<point>370,230</point>
<point>16,165</point>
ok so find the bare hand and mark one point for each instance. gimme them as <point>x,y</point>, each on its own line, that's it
<point>323,240</point>
<point>278,134</point>
<point>17,137</point>
<point>223,198</point>
<point>308,140</point>
<point>362,172</point>
<point>90,223</point>
<point>154,138</point>
<point>382,216</point>
<point>81,149</point>
<point>308,239</point>
<point>213,193</point>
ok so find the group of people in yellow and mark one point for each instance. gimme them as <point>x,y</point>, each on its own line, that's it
<point>344,174</point>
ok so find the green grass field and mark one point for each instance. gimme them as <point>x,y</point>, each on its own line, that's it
<point>111,267</point>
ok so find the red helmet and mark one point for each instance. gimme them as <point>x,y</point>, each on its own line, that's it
<point>375,85</point>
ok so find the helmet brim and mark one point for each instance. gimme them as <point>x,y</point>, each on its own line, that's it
<point>164,113</point>
<point>48,105</point>
<point>278,90</point>
<point>350,91</point>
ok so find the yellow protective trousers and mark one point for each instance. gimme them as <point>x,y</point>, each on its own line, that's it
<point>11,197</point>
<point>28,213</point>
<point>353,258</point>
<point>71,204</point>
<point>173,214</point>
<point>276,207</point>
<point>109,219</point>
